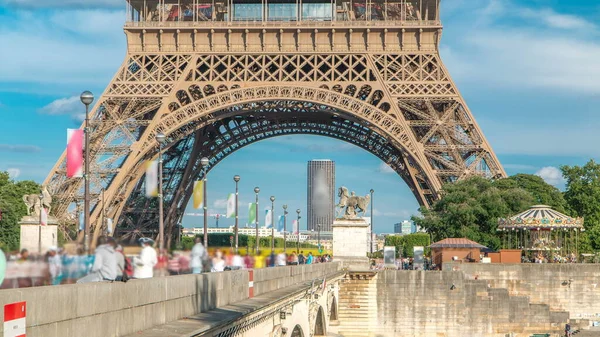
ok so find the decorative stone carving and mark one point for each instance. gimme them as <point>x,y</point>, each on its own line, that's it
<point>351,204</point>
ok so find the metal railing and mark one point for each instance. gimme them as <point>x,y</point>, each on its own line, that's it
<point>310,24</point>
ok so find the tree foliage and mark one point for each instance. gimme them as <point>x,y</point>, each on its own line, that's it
<point>583,197</point>
<point>470,208</point>
<point>542,192</point>
<point>13,209</point>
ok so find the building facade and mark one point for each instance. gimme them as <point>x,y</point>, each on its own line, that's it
<point>321,194</point>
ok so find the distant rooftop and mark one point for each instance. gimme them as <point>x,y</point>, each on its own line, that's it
<point>456,243</point>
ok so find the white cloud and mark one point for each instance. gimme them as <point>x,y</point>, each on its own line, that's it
<point>19,148</point>
<point>61,3</point>
<point>551,175</point>
<point>384,168</point>
<point>82,47</point>
<point>556,20</point>
<point>220,204</point>
<point>63,106</point>
<point>14,173</point>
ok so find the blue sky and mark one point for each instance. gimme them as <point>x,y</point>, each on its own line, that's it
<point>529,71</point>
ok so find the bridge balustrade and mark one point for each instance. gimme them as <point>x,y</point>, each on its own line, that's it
<point>118,309</point>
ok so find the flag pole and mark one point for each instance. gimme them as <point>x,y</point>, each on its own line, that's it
<point>236,178</point>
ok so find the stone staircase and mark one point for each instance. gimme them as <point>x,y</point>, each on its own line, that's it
<point>357,304</point>
<point>440,305</point>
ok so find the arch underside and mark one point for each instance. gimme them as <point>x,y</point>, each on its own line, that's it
<point>242,125</point>
<point>400,106</point>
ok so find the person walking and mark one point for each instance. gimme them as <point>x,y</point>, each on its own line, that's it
<point>105,262</point>
<point>309,258</point>
<point>144,264</point>
<point>198,256</point>
<point>121,272</point>
<point>218,263</point>
<point>301,258</point>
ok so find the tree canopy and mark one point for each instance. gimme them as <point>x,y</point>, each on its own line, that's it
<point>583,197</point>
<point>470,208</point>
<point>13,209</point>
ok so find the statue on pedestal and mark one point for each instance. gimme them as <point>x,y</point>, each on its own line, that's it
<point>350,204</point>
<point>32,201</point>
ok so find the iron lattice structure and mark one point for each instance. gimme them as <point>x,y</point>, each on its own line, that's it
<point>215,86</point>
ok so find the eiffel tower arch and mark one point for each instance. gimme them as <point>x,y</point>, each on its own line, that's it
<point>215,76</point>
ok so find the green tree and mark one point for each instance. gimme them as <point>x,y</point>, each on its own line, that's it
<point>470,208</point>
<point>542,192</point>
<point>583,197</point>
<point>13,209</point>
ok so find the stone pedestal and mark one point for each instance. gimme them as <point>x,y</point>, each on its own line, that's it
<point>351,243</point>
<point>30,231</point>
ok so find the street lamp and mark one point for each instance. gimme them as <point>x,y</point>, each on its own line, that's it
<point>256,190</point>
<point>371,232</point>
<point>86,98</point>
<point>319,238</point>
<point>298,233</point>
<point>272,224</point>
<point>40,226</point>
<point>285,228</point>
<point>236,178</point>
<point>160,139</point>
<point>204,163</point>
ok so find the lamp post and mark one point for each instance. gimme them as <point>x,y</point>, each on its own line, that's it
<point>298,234</point>
<point>256,190</point>
<point>272,224</point>
<point>204,162</point>
<point>40,226</point>
<point>371,231</point>
<point>285,228</point>
<point>319,238</point>
<point>236,178</point>
<point>86,98</point>
<point>160,139</point>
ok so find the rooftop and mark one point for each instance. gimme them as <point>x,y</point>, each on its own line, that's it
<point>540,216</point>
<point>456,243</point>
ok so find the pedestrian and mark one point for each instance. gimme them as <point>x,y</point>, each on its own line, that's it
<point>105,262</point>
<point>54,266</point>
<point>198,256</point>
<point>301,258</point>
<point>144,264</point>
<point>309,258</point>
<point>121,265</point>
<point>174,266</point>
<point>218,263</point>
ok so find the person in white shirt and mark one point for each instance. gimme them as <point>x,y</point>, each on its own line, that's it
<point>144,264</point>
<point>197,257</point>
<point>218,264</point>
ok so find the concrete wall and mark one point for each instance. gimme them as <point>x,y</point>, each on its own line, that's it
<point>269,279</point>
<point>115,309</point>
<point>571,287</point>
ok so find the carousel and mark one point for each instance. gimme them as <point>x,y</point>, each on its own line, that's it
<point>547,235</point>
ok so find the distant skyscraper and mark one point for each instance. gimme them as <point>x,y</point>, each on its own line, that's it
<point>321,194</point>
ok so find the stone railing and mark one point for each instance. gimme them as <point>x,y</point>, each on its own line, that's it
<point>116,309</point>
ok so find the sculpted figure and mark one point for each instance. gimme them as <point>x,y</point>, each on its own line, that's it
<point>351,204</point>
<point>32,201</point>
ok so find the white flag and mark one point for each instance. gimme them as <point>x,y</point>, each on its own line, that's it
<point>268,222</point>
<point>109,225</point>
<point>152,178</point>
<point>44,219</point>
<point>231,205</point>
<point>295,226</point>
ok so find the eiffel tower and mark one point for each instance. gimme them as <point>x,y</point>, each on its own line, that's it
<point>215,76</point>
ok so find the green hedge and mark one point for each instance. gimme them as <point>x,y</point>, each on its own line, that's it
<point>404,243</point>
<point>223,240</point>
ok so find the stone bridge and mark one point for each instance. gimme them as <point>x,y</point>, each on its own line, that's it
<point>284,301</point>
<point>475,300</point>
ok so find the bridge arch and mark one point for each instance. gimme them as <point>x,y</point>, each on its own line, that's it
<point>333,309</point>
<point>297,331</point>
<point>218,124</point>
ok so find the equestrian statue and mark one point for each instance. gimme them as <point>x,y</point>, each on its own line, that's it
<point>32,201</point>
<point>350,204</point>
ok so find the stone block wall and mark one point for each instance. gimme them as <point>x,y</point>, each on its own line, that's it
<point>566,287</point>
<point>419,303</point>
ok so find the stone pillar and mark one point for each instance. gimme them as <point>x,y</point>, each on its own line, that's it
<point>351,243</point>
<point>30,229</point>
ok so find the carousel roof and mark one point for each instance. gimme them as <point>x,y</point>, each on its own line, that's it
<point>541,216</point>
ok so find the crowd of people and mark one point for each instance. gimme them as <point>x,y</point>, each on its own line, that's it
<point>109,263</point>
